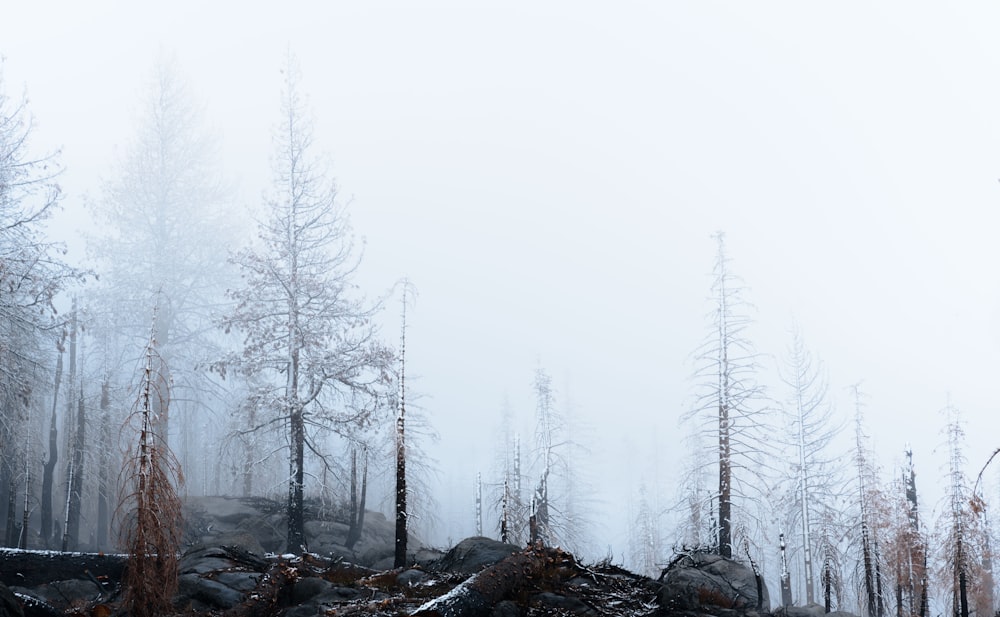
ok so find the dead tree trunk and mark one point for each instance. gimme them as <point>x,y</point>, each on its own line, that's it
<point>49,468</point>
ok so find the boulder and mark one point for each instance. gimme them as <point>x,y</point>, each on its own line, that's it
<point>206,591</point>
<point>553,603</point>
<point>473,554</point>
<point>696,580</point>
<point>9,606</point>
<point>63,594</point>
<point>307,588</point>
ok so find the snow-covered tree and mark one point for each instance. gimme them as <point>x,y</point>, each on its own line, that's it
<point>906,551</point>
<point>814,483</point>
<point>508,502</point>
<point>306,333</point>
<point>645,542</point>
<point>32,274</point>
<point>166,231</point>
<point>730,410</point>
<point>961,537</point>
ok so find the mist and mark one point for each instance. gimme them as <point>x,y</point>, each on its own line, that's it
<point>552,180</point>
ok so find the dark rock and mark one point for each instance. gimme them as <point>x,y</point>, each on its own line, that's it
<point>35,607</point>
<point>305,589</point>
<point>306,610</point>
<point>698,580</point>
<point>410,578</point>
<point>473,554</point>
<point>212,593</point>
<point>205,565</point>
<point>9,606</point>
<point>554,601</point>
<point>63,594</point>
<point>337,595</point>
<point>240,581</point>
<point>506,608</point>
<point>242,539</point>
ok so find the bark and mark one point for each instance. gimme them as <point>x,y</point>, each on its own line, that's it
<point>103,488</point>
<point>400,555</point>
<point>725,485</point>
<point>521,571</point>
<point>10,535</point>
<point>76,486</point>
<point>827,588</point>
<point>352,529</point>
<point>869,564</point>
<point>48,470</point>
<point>296,541</point>
<point>22,541</point>
<point>401,512</point>
<point>363,503</point>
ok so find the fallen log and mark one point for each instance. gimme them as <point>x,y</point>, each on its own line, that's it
<point>533,568</point>
<point>32,568</point>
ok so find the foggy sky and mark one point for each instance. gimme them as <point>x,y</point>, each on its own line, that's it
<point>549,175</point>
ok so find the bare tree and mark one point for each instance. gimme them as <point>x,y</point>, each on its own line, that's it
<point>906,554</point>
<point>402,513</point>
<point>810,432</point>
<point>167,226</point>
<point>870,516</point>
<point>730,405</point>
<point>33,273</point>
<point>507,500</point>
<point>312,344</point>
<point>645,543</point>
<point>960,533</point>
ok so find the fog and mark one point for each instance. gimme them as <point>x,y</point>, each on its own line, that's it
<point>549,176</point>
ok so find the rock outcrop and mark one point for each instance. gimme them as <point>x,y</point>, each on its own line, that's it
<point>697,580</point>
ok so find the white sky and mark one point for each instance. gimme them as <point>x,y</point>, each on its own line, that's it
<point>549,174</point>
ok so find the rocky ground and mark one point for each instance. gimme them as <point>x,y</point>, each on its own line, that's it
<point>233,568</point>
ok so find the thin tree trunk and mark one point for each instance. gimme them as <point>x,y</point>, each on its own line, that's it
<point>103,488</point>
<point>401,512</point>
<point>363,502</point>
<point>22,541</point>
<point>48,469</point>
<point>352,531</point>
<point>76,486</point>
<point>10,537</point>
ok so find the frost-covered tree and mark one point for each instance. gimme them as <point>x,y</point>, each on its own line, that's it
<point>813,484</point>
<point>32,274</point>
<point>166,229</point>
<point>306,334</point>
<point>730,410</point>
<point>961,537</point>
<point>645,543</point>
<point>906,554</point>
<point>507,497</point>
<point>871,515</point>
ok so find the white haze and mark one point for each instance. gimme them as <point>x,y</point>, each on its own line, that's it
<point>549,174</point>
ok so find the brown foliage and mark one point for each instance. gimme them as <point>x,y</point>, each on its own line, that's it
<point>149,509</point>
